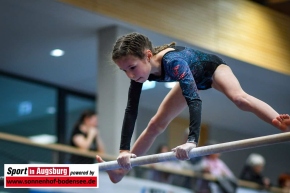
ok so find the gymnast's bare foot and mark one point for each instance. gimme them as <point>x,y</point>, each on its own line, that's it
<point>282,122</point>
<point>114,175</point>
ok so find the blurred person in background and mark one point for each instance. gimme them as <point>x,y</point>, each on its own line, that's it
<point>284,182</point>
<point>213,165</point>
<point>86,136</point>
<point>253,169</point>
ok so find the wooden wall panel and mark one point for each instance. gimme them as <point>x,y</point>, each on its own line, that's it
<point>237,28</point>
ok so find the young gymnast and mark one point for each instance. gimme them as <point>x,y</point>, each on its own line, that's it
<point>193,70</point>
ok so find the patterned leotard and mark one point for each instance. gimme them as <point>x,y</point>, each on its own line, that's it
<point>193,70</point>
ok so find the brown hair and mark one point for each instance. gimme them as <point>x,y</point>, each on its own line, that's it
<point>135,44</point>
<point>86,114</point>
<point>282,179</point>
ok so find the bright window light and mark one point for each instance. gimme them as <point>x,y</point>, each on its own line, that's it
<point>24,108</point>
<point>57,53</point>
<point>148,85</point>
<point>170,84</point>
<point>50,110</point>
<point>43,139</point>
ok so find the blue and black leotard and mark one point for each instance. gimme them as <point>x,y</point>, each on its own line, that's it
<point>193,70</point>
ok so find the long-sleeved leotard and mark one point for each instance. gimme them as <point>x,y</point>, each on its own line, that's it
<point>193,70</point>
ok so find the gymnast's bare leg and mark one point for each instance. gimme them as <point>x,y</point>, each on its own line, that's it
<point>225,81</point>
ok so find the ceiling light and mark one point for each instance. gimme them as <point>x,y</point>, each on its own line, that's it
<point>57,53</point>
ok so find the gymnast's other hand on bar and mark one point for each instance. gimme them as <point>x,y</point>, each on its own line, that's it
<point>124,159</point>
<point>182,151</point>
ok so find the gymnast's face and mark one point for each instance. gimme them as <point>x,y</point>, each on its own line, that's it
<point>135,68</point>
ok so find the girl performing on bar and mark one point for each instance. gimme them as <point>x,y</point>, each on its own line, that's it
<point>193,70</point>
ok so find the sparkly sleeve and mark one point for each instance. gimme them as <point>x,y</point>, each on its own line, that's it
<point>179,70</point>
<point>131,113</point>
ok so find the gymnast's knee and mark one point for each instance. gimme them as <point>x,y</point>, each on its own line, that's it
<point>156,126</point>
<point>241,101</point>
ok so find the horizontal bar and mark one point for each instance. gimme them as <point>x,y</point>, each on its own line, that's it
<point>202,151</point>
<point>197,152</point>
